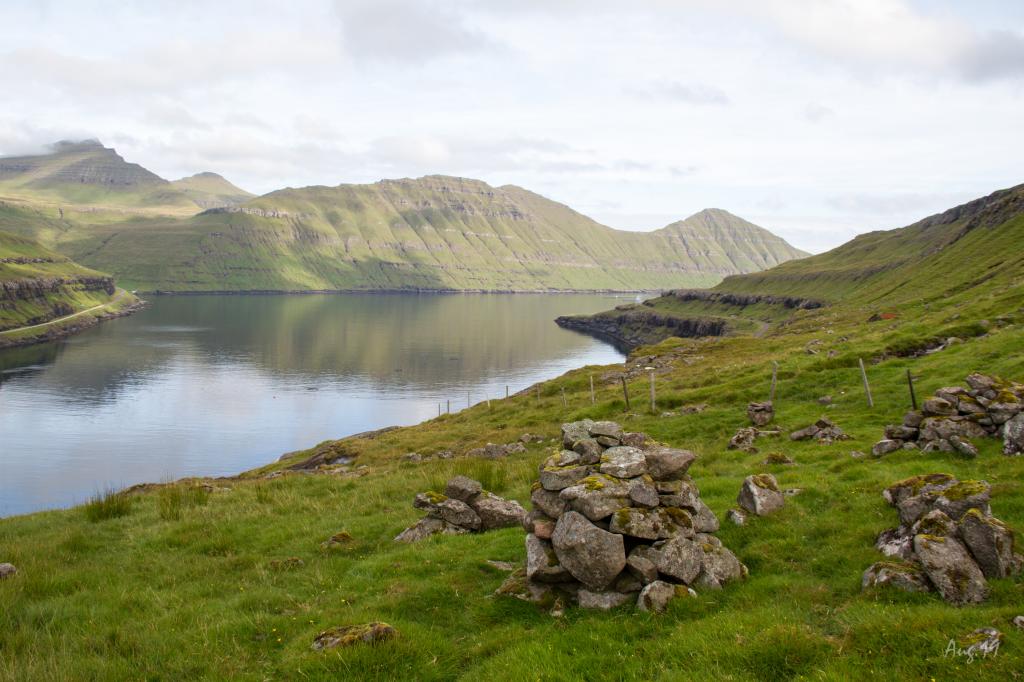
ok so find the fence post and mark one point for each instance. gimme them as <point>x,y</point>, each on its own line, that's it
<point>449,401</point>
<point>910,383</point>
<point>864,376</point>
<point>775,372</point>
<point>593,399</point>
<point>625,391</point>
<point>506,390</point>
<point>653,408</point>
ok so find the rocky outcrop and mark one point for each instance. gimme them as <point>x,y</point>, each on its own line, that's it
<point>947,541</point>
<point>465,507</point>
<point>614,522</point>
<point>744,300</point>
<point>630,329</point>
<point>948,421</point>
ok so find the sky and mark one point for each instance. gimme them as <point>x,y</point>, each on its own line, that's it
<point>818,119</point>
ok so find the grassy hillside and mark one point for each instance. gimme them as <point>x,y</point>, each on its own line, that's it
<point>431,233</point>
<point>176,582</point>
<point>39,287</point>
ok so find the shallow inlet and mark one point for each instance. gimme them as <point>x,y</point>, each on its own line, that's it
<point>214,385</point>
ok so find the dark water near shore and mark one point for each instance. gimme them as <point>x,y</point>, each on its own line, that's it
<point>213,385</point>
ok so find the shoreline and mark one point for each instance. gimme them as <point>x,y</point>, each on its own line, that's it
<point>61,331</point>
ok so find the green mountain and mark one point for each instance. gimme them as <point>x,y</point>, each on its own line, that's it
<point>209,190</point>
<point>969,254</point>
<point>45,295</point>
<point>431,233</point>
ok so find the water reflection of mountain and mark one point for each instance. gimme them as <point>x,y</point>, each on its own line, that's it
<point>392,341</point>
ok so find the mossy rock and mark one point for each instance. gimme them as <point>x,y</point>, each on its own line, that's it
<point>348,635</point>
<point>435,497</point>
<point>965,489</point>
<point>766,481</point>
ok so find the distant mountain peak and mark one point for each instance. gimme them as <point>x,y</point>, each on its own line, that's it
<point>72,146</point>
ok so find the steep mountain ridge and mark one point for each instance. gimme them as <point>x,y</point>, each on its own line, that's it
<point>436,233</point>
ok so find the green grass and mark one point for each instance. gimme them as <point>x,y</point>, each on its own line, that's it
<point>174,590</point>
<point>109,504</point>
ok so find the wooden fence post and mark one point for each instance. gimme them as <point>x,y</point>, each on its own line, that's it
<point>625,391</point>
<point>593,399</point>
<point>506,390</point>
<point>867,388</point>
<point>563,397</point>
<point>910,383</point>
<point>653,408</point>
<point>775,372</point>
<point>449,405</point>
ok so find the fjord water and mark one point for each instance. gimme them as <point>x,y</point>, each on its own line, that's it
<point>214,385</point>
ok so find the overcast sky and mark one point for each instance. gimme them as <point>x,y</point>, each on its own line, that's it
<point>818,119</point>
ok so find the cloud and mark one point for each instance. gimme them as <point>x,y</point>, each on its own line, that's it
<point>897,204</point>
<point>815,112</point>
<point>406,31</point>
<point>690,93</point>
<point>998,54</point>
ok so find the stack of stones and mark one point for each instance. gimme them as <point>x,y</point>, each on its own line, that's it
<point>465,507</point>
<point>760,414</point>
<point>825,431</point>
<point>990,407</point>
<point>947,540</point>
<point>617,519</point>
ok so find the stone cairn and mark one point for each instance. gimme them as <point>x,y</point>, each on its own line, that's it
<point>616,519</point>
<point>825,431</point>
<point>990,407</point>
<point>465,507</point>
<point>947,541</point>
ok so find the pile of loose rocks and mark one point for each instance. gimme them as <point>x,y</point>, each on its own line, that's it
<point>760,414</point>
<point>990,407</point>
<point>825,431</point>
<point>947,540</point>
<point>617,519</point>
<point>465,507</point>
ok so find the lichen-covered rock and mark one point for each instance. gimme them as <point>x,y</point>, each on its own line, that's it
<point>704,520</point>
<point>916,485</point>
<point>428,526</point>
<point>655,596</point>
<point>641,563</point>
<point>668,463</point>
<point>744,440</point>
<point>896,542</point>
<point>541,563</point>
<point>950,569</point>
<point>719,565</point>
<point>7,570</point>
<point>607,429</point>
<point>736,516</point>
<point>458,513</point>
<point>643,493</point>
<point>576,431</point>
<point>958,498</point>
<point>593,556</point>
<point>901,432</point>
<point>549,502</point>
<point>597,496</point>
<point>760,414</point>
<point>885,447</point>
<point>990,542</point>
<point>760,495</point>
<point>348,635</point>
<point>462,488</point>
<point>623,462</point>
<point>903,576</point>
<point>964,447</point>
<point>602,600</point>
<point>554,477</point>
<point>938,407</point>
<point>497,512</point>
<point>635,440</point>
<point>1013,435</point>
<point>679,558</point>
<point>589,450</point>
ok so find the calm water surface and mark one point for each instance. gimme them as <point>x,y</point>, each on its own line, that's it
<point>214,385</point>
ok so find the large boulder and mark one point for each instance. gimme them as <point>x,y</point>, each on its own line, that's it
<point>497,512</point>
<point>903,576</point>
<point>760,414</point>
<point>990,541</point>
<point>597,497</point>
<point>679,558</point>
<point>463,488</point>
<point>593,556</point>
<point>623,462</point>
<point>760,495</point>
<point>428,526</point>
<point>950,569</point>
<point>665,463</point>
<point>541,563</point>
<point>1013,435</point>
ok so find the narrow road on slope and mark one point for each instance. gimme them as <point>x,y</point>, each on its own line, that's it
<point>119,296</point>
